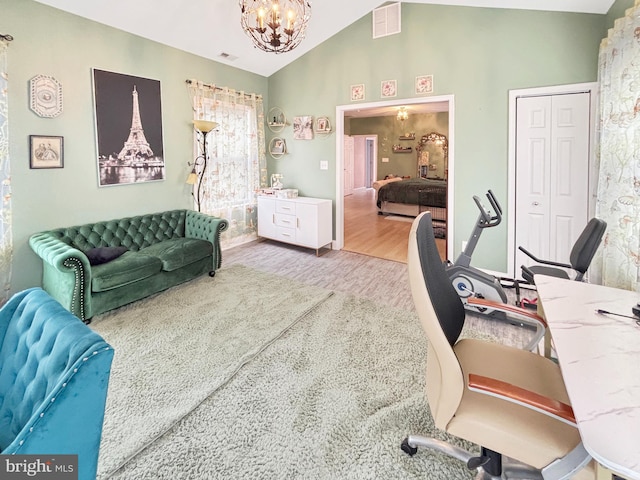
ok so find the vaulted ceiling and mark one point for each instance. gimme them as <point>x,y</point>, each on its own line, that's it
<point>210,28</point>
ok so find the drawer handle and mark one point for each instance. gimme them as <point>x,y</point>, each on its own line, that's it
<point>286,221</point>
<point>273,218</point>
<point>298,222</point>
<point>286,234</point>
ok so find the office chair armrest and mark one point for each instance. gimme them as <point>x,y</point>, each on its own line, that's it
<point>530,317</point>
<point>544,262</point>
<point>522,396</point>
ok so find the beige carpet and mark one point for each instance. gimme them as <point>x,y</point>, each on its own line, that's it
<point>172,350</point>
<point>331,397</point>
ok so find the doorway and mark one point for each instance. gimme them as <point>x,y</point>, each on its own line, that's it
<point>444,103</point>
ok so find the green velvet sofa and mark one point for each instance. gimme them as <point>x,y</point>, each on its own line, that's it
<point>97,267</point>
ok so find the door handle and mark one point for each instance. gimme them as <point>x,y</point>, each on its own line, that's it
<point>535,204</point>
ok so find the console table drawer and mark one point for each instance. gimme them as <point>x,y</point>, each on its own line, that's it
<point>285,234</point>
<point>285,220</point>
<point>288,208</point>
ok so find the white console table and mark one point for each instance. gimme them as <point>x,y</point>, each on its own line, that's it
<point>303,221</point>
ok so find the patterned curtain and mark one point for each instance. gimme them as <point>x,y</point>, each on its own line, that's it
<point>618,134</point>
<point>236,164</point>
<point>6,241</point>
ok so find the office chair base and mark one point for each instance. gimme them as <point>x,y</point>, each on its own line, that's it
<point>511,469</point>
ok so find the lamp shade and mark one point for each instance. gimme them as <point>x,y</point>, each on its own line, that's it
<point>204,126</point>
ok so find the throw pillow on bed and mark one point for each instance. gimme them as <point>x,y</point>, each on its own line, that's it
<point>100,255</point>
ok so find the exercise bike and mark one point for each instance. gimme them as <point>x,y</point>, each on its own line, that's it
<point>472,282</point>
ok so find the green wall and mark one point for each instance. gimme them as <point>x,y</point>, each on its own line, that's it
<point>389,129</point>
<point>475,54</point>
<point>51,42</point>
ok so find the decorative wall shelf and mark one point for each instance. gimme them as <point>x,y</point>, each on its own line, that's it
<point>276,119</point>
<point>322,126</point>
<point>277,147</point>
<point>408,136</point>
<point>400,149</point>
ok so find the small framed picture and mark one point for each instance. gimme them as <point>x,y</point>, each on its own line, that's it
<point>357,92</point>
<point>424,84</point>
<point>388,88</point>
<point>46,151</point>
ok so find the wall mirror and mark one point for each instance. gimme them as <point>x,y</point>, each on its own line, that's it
<point>432,156</point>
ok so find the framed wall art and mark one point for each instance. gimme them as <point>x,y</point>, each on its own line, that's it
<point>128,115</point>
<point>45,96</point>
<point>388,88</point>
<point>46,151</point>
<point>357,92</point>
<point>303,127</point>
<point>424,84</point>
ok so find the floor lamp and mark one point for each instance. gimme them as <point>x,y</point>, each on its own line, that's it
<point>202,127</point>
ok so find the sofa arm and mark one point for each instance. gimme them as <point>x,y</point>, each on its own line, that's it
<point>66,273</point>
<point>206,227</point>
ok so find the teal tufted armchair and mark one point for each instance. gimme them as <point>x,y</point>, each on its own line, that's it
<point>54,374</point>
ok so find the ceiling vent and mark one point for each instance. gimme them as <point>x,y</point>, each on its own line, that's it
<point>227,56</point>
<point>386,20</point>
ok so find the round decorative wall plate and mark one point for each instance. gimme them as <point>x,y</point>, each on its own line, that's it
<point>46,96</point>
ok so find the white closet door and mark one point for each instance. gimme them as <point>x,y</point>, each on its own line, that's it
<point>552,174</point>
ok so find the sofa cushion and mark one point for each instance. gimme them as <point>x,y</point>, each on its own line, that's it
<point>100,255</point>
<point>126,269</point>
<point>178,252</point>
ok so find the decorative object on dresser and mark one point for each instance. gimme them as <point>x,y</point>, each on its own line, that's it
<point>88,272</point>
<point>303,221</point>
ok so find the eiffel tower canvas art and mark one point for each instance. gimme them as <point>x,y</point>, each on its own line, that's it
<point>129,129</point>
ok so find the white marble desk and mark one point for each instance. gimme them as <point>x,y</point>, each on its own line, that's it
<point>599,357</point>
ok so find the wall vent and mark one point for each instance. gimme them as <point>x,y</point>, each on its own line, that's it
<point>386,20</point>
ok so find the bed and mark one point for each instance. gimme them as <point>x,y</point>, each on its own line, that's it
<point>413,196</point>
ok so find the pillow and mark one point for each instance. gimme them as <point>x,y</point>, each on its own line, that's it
<point>100,255</point>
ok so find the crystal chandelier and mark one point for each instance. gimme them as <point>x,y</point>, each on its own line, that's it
<point>402,114</point>
<point>275,25</point>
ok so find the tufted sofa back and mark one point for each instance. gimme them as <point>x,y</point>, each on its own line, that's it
<point>133,232</point>
<point>40,346</point>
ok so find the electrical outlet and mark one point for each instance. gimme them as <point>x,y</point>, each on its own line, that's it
<point>385,159</point>
<point>324,165</point>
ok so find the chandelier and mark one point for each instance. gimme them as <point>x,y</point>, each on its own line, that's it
<point>402,114</point>
<point>275,25</point>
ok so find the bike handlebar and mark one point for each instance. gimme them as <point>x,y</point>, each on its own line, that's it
<point>488,220</point>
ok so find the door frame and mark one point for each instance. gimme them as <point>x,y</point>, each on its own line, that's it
<point>338,244</point>
<point>589,87</point>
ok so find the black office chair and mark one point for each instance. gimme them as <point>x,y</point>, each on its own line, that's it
<point>511,401</point>
<point>580,258</point>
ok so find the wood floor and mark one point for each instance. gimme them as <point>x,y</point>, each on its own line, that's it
<point>375,235</point>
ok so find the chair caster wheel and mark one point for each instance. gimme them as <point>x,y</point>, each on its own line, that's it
<point>408,449</point>
<point>212,273</point>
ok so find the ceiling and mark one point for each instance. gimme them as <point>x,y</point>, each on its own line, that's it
<point>211,27</point>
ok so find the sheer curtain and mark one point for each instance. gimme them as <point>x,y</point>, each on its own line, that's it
<point>6,243</point>
<point>237,165</point>
<point>618,135</point>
